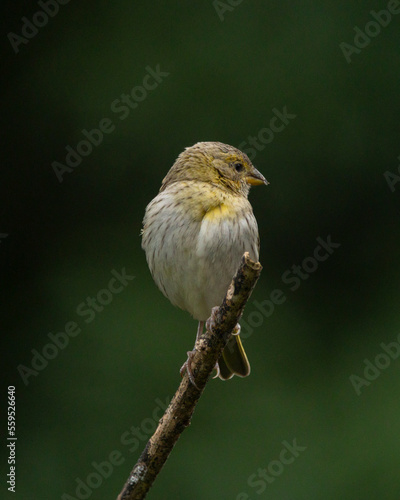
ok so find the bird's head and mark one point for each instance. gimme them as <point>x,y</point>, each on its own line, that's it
<point>219,164</point>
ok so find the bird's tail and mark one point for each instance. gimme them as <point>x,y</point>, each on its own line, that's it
<point>233,360</point>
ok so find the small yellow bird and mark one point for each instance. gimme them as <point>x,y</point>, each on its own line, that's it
<point>195,232</point>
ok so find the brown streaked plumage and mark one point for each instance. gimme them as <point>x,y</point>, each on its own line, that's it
<point>196,230</point>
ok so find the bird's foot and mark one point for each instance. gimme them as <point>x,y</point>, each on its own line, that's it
<point>186,367</point>
<point>210,323</point>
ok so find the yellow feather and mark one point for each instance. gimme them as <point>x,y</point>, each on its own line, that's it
<point>218,212</point>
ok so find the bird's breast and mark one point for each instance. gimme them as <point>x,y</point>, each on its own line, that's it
<point>218,213</point>
<point>194,242</point>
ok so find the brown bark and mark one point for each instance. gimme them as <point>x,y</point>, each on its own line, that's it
<point>208,349</point>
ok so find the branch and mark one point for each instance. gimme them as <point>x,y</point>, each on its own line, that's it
<point>208,349</point>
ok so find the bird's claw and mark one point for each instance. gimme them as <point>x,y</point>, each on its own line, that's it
<point>216,367</point>
<point>236,330</point>
<point>210,323</point>
<point>188,369</point>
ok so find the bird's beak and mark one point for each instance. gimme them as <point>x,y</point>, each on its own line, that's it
<point>255,178</point>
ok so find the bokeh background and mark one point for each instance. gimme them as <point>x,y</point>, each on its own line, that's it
<point>227,72</point>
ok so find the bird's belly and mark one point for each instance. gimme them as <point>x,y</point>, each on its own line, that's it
<point>201,268</point>
<point>193,261</point>
<point>220,246</point>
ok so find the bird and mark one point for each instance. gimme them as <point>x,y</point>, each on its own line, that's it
<point>195,232</point>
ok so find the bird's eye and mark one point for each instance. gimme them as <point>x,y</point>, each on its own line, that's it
<point>239,167</point>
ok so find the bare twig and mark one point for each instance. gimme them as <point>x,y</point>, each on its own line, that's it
<point>208,349</point>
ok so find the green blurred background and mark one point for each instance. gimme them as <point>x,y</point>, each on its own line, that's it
<point>326,170</point>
